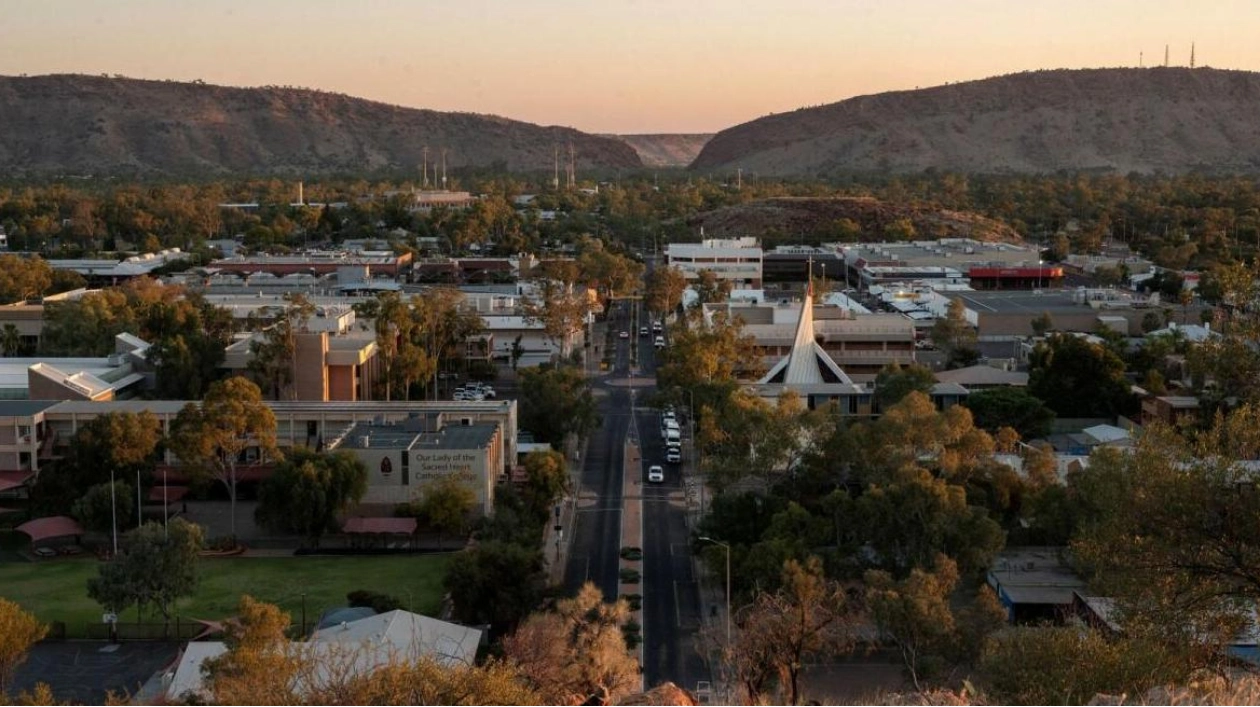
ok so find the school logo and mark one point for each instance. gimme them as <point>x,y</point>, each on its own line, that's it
<point>387,467</point>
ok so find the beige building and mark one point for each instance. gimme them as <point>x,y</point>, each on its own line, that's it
<point>403,458</point>
<point>477,438</point>
<point>861,344</point>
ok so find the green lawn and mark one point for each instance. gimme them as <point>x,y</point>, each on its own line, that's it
<point>57,590</point>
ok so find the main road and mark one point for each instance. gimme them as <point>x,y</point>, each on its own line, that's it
<point>671,604</point>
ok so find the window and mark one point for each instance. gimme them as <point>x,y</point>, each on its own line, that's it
<point>406,468</point>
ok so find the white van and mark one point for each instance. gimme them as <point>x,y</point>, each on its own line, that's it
<point>672,436</point>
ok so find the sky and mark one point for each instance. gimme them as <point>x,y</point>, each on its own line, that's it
<point>614,66</point>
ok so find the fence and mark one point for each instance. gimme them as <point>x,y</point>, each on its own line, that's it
<point>176,630</point>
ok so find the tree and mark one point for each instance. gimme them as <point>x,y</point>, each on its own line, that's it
<point>274,357</point>
<point>547,480</point>
<point>1067,665</point>
<point>19,631</point>
<point>211,438</point>
<point>188,338</point>
<point>102,504</point>
<point>1042,323</point>
<point>445,504</point>
<point>561,308</point>
<point>1078,378</point>
<point>1171,530</point>
<point>555,403</point>
<point>11,341</point>
<point>665,287</point>
<point>155,566</point>
<point>309,490</point>
<point>258,667</point>
<point>893,383</point>
<point>706,357</point>
<point>914,614</point>
<point>955,336</point>
<point>495,582</point>
<point>576,654</point>
<point>901,229</point>
<point>1010,407</point>
<point>808,618</point>
<point>517,351</point>
<point>21,278</point>
<point>115,445</point>
<point>914,519</point>
<point>710,288</point>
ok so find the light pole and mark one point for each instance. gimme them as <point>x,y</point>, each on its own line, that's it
<point>113,509</point>
<point>707,539</point>
<point>1039,262</point>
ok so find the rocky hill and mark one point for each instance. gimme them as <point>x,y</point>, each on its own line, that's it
<point>666,150</point>
<point>71,124</point>
<point>793,219</point>
<point>1145,120</point>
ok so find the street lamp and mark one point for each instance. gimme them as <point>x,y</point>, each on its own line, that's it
<point>707,539</point>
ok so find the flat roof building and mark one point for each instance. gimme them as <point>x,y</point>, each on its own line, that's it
<point>737,260</point>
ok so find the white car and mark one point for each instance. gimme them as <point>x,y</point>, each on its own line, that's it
<point>673,455</point>
<point>624,335</point>
<point>656,327</point>
<point>656,474</point>
<point>660,342</point>
<point>643,331</point>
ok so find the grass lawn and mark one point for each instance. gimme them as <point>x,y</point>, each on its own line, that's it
<point>57,590</point>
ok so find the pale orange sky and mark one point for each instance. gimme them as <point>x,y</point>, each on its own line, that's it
<point>626,66</point>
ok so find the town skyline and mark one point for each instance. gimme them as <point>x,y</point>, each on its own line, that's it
<point>622,67</point>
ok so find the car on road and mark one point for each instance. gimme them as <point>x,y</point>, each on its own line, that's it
<point>643,331</point>
<point>660,342</point>
<point>673,455</point>
<point>624,335</point>
<point>656,474</point>
<point>656,327</point>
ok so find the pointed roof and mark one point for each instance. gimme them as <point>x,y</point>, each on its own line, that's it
<point>807,363</point>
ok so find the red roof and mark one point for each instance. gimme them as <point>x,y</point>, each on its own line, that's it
<point>401,526</point>
<point>51,527</point>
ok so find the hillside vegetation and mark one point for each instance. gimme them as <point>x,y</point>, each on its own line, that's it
<point>848,218</point>
<point>1170,120</point>
<point>71,124</point>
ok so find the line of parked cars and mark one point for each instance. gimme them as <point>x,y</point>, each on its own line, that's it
<point>474,392</point>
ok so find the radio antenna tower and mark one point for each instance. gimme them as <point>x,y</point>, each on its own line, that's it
<point>1192,55</point>
<point>555,175</point>
<point>1140,60</point>
<point>425,169</point>
<point>443,169</point>
<point>1165,56</point>
<point>572,167</point>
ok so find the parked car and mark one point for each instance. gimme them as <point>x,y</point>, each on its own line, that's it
<point>673,455</point>
<point>656,474</point>
<point>660,342</point>
<point>656,327</point>
<point>489,392</point>
<point>643,331</point>
<point>624,335</point>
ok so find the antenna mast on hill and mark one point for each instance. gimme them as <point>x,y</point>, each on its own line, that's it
<point>555,175</point>
<point>443,169</point>
<point>1165,56</point>
<point>1140,60</point>
<point>424,171</point>
<point>1192,55</point>
<point>572,175</point>
<point>739,178</point>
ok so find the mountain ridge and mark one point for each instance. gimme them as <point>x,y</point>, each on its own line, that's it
<point>75,123</point>
<point>1161,119</point>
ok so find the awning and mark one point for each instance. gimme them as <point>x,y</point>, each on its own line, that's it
<point>167,494</point>
<point>52,527</point>
<point>399,526</point>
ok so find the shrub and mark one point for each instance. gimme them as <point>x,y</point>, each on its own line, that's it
<point>634,600</point>
<point>631,553</point>
<point>630,576</point>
